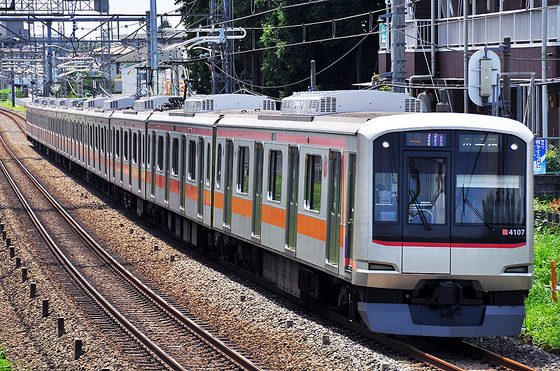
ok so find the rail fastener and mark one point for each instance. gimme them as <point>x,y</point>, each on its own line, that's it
<point>18,262</point>
<point>32,289</point>
<point>24,271</point>
<point>60,326</point>
<point>45,308</point>
<point>8,241</point>
<point>78,348</point>
<point>12,251</point>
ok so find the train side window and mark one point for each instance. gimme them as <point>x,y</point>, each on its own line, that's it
<point>160,153</point>
<point>175,156</point>
<point>274,192</point>
<point>134,148</point>
<point>117,143</point>
<point>192,160</point>
<point>386,178</point>
<point>90,137</point>
<point>148,151</point>
<point>313,177</point>
<point>125,145</point>
<point>243,170</point>
<point>102,142</point>
<point>208,164</point>
<point>219,166</point>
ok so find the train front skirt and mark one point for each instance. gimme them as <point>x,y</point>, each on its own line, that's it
<point>419,320</point>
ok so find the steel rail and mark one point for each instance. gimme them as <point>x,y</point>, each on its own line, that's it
<point>496,358</point>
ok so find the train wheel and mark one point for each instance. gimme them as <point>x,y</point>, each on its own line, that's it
<point>343,299</point>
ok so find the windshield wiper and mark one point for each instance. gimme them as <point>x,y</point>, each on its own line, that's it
<point>478,213</point>
<point>420,211</point>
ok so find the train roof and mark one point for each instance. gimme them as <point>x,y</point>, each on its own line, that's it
<point>118,103</point>
<point>446,121</point>
<point>318,103</point>
<point>219,102</point>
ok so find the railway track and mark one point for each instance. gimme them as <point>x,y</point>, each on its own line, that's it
<point>14,116</point>
<point>153,332</point>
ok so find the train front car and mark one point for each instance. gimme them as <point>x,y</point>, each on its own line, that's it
<point>444,247</point>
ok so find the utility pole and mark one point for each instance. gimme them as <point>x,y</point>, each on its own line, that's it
<point>221,61</point>
<point>507,78</point>
<point>49,61</point>
<point>153,43</point>
<point>466,55</point>
<point>544,91</point>
<point>398,44</point>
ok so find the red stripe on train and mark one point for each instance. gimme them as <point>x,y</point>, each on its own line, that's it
<point>453,245</point>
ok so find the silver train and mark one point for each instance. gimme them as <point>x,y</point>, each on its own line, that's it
<point>415,223</point>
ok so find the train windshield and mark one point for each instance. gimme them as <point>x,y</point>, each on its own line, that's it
<point>490,179</point>
<point>444,181</point>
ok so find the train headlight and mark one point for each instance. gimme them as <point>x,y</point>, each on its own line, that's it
<point>518,269</point>
<point>380,267</point>
<point>385,144</point>
<point>514,146</point>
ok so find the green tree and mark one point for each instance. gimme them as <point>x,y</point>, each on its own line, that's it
<point>276,56</point>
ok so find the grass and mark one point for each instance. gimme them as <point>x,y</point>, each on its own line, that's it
<point>5,365</point>
<point>542,322</point>
<point>8,104</point>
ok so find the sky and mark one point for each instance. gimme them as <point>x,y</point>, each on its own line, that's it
<point>121,7</point>
<point>140,6</point>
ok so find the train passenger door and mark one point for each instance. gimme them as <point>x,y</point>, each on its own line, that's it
<point>139,159</point>
<point>427,217</point>
<point>182,171</point>
<point>333,212</point>
<point>153,164</point>
<point>167,165</point>
<point>229,183</point>
<point>257,189</point>
<point>350,207</point>
<point>200,179</point>
<point>292,204</point>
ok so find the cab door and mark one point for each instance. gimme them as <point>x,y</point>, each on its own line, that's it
<point>426,225</point>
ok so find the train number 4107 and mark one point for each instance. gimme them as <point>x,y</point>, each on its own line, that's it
<point>513,232</point>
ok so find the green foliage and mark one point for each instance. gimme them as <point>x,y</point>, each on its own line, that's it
<point>552,159</point>
<point>164,23</point>
<point>283,65</point>
<point>542,322</point>
<point>7,365</point>
<point>274,54</point>
<point>8,104</point>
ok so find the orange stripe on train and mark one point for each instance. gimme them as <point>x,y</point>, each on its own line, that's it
<point>312,227</point>
<point>242,207</point>
<point>274,216</point>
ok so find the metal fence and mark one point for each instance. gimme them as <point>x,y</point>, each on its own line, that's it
<point>8,96</point>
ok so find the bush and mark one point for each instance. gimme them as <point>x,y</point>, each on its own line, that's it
<point>552,160</point>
